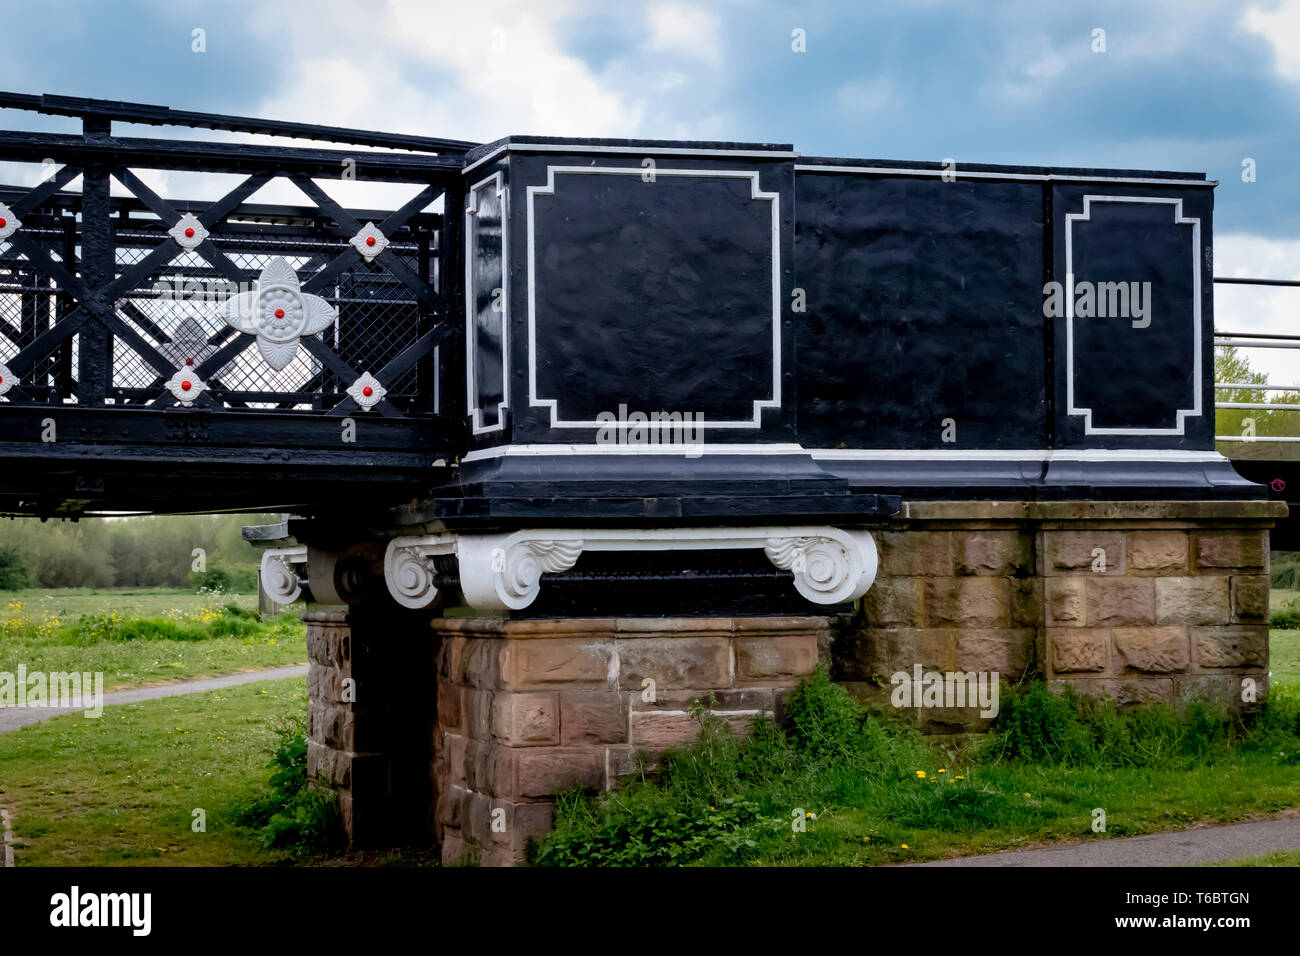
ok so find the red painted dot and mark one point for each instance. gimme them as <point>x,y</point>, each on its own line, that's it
<point>2,379</point>
<point>367,391</point>
<point>370,240</point>
<point>279,313</point>
<point>3,222</point>
<point>189,232</point>
<point>189,361</point>
<point>186,385</point>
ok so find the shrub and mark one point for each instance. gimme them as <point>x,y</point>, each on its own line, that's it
<point>1035,725</point>
<point>14,573</point>
<point>294,816</point>
<point>1287,616</point>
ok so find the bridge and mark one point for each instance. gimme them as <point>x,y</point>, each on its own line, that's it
<point>554,418</point>
<point>135,378</point>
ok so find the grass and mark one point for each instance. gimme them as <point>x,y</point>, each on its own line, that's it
<point>1284,656</point>
<point>143,637</point>
<point>121,790</point>
<point>1281,858</point>
<point>838,790</point>
<point>68,604</point>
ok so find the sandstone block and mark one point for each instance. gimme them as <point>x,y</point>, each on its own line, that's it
<point>1164,551</point>
<point>592,717</point>
<point>525,719</point>
<point>1121,601</point>
<point>1156,650</point>
<point>967,602</point>
<point>1231,549</point>
<point>1070,552</point>
<point>775,658</point>
<point>913,553</point>
<point>997,553</point>
<point>893,601</point>
<point>695,661</point>
<point>1067,601</point>
<point>544,663</point>
<point>1075,650</point>
<point>1200,600</point>
<point>1236,646</point>
<point>545,771</point>
<point>1250,598</point>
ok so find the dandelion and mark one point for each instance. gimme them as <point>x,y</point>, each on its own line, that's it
<point>812,816</point>
<point>959,777</point>
<point>921,774</point>
<point>905,846</point>
<point>941,770</point>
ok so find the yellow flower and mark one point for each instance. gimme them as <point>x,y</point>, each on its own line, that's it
<point>905,846</point>
<point>921,774</point>
<point>959,777</point>
<point>866,839</point>
<point>941,770</point>
<point>1026,795</point>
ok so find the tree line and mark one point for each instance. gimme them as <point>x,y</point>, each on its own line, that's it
<point>157,551</point>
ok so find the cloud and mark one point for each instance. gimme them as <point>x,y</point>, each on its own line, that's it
<point>1279,24</point>
<point>862,97</point>
<point>682,31</point>
<point>476,72</point>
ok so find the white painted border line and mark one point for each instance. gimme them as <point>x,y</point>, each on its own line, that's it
<point>855,454</point>
<point>957,174</point>
<point>471,310</point>
<point>755,192</point>
<point>1012,455</point>
<point>646,150</point>
<point>1179,220</point>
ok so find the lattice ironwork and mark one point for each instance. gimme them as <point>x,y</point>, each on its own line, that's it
<point>72,333</point>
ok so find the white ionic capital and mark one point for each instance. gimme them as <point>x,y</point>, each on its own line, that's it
<point>408,567</point>
<point>829,566</point>
<point>504,571</point>
<point>280,578</point>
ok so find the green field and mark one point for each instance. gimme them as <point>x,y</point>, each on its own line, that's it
<point>121,790</point>
<point>68,604</point>
<point>137,637</point>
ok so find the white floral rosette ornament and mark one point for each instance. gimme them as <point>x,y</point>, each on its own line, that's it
<point>186,386</point>
<point>7,378</point>
<point>279,313</point>
<point>9,223</point>
<point>370,242</point>
<point>188,231</point>
<point>367,392</point>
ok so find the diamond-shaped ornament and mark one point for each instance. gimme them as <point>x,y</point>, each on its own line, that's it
<point>188,231</point>
<point>370,242</point>
<point>189,346</point>
<point>9,223</point>
<point>186,386</point>
<point>367,392</point>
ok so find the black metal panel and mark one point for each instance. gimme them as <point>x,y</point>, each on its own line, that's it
<point>1142,378</point>
<point>653,292</point>
<point>923,304</point>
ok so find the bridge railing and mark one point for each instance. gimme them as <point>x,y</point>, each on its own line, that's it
<point>1255,340</point>
<point>136,315</point>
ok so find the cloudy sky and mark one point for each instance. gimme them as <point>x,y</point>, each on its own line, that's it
<point>1182,84</point>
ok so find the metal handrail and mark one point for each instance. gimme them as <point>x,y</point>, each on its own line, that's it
<point>1257,340</point>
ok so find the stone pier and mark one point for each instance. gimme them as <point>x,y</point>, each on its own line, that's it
<point>1139,601</point>
<point>530,709</point>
